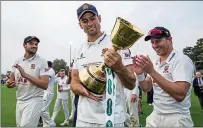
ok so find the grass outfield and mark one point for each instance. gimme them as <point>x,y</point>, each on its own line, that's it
<point>8,103</point>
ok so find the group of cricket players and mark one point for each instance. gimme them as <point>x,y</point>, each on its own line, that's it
<point>170,76</point>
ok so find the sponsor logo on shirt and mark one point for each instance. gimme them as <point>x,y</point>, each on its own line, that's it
<point>97,64</point>
<point>22,81</point>
<point>81,56</point>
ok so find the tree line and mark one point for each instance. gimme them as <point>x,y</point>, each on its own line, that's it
<point>59,64</point>
<point>196,54</point>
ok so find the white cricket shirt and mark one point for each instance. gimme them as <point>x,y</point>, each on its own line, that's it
<point>62,82</point>
<point>88,109</point>
<point>50,88</point>
<point>177,67</point>
<point>36,67</point>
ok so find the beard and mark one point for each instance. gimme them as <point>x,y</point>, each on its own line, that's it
<point>162,51</point>
<point>92,34</point>
<point>32,51</point>
<point>92,31</point>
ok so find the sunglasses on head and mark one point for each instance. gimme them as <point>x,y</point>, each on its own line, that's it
<point>156,31</point>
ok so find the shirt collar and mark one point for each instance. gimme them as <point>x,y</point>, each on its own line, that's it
<point>30,59</point>
<point>169,58</point>
<point>98,41</point>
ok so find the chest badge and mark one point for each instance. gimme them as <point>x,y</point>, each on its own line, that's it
<point>32,66</point>
<point>166,69</point>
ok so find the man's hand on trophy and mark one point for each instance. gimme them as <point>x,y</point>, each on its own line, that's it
<point>104,50</point>
<point>78,89</point>
<point>113,60</point>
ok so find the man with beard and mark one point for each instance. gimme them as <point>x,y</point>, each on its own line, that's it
<point>91,110</point>
<point>30,77</point>
<point>170,77</point>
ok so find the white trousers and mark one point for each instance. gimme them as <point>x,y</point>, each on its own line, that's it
<point>72,95</point>
<point>80,123</point>
<point>132,108</point>
<point>169,120</point>
<point>57,107</point>
<point>29,112</point>
<point>45,110</point>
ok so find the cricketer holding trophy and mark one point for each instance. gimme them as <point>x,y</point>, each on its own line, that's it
<point>101,68</point>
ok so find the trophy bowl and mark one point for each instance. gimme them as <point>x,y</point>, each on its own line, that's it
<point>123,36</point>
<point>93,78</point>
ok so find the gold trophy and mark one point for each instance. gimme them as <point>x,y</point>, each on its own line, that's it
<point>123,36</point>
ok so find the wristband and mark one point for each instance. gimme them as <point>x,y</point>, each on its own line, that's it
<point>141,77</point>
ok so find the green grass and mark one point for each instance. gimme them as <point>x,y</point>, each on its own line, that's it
<point>8,104</point>
<point>8,107</point>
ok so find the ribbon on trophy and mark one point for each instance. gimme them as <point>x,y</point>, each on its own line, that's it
<point>110,98</point>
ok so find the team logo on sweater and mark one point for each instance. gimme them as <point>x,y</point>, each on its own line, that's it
<point>32,66</point>
<point>127,54</point>
<point>166,69</point>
